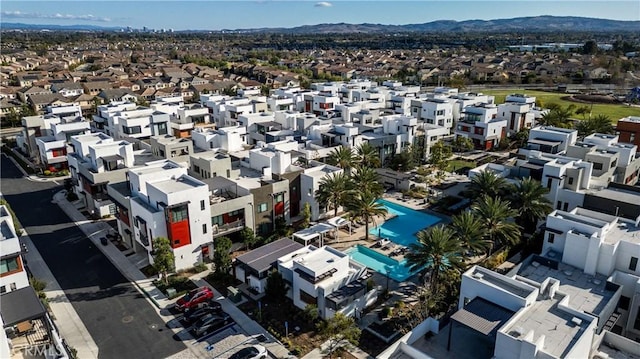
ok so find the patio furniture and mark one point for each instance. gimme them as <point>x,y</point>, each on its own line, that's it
<point>24,327</point>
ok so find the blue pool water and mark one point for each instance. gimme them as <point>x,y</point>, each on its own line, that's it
<point>398,271</point>
<point>402,229</point>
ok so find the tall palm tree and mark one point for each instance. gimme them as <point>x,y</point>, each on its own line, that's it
<point>486,183</point>
<point>494,213</point>
<point>333,191</point>
<point>467,228</point>
<point>597,124</point>
<point>558,116</point>
<point>342,157</point>
<point>437,250</point>
<point>366,179</point>
<point>527,197</point>
<point>368,155</point>
<point>363,205</point>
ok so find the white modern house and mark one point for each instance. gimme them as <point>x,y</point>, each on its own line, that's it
<point>13,273</point>
<point>482,126</point>
<point>229,139</point>
<point>310,180</point>
<point>328,279</point>
<point>167,202</point>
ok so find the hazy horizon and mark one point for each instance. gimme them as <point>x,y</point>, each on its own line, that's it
<point>218,15</point>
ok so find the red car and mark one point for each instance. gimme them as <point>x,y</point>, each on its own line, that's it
<point>193,298</point>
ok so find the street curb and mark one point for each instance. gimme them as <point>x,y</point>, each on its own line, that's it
<point>153,300</point>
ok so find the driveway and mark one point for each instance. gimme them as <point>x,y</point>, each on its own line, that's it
<point>121,321</point>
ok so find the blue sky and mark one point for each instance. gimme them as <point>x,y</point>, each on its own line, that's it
<point>242,14</point>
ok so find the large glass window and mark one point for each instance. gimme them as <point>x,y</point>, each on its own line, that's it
<point>179,214</point>
<point>262,207</point>
<point>8,265</point>
<point>308,298</point>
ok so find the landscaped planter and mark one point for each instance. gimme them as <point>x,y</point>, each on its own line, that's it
<point>385,331</point>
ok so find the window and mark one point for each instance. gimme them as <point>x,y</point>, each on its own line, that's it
<point>565,206</point>
<point>308,298</point>
<point>559,205</point>
<point>3,289</point>
<point>131,130</point>
<point>549,182</point>
<point>204,228</point>
<point>179,214</point>
<point>633,263</point>
<point>614,163</point>
<point>624,302</point>
<point>12,286</point>
<point>196,168</point>
<point>570,180</point>
<point>162,128</point>
<point>202,205</point>
<point>9,265</point>
<point>551,238</point>
<point>597,166</point>
<point>262,207</point>
<point>440,113</point>
<point>278,197</point>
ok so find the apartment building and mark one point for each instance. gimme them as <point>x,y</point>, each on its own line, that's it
<point>228,139</point>
<point>628,129</point>
<point>100,120</point>
<point>516,109</point>
<point>166,202</point>
<point>550,139</point>
<point>96,161</point>
<point>173,148</point>
<point>482,126</point>
<point>434,111</point>
<point>310,183</point>
<point>13,273</point>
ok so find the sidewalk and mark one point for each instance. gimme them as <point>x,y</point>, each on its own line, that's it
<point>94,230</point>
<point>69,323</point>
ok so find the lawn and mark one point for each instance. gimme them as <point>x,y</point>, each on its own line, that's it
<point>614,112</point>
<point>455,165</point>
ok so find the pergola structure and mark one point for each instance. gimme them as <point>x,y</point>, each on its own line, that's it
<point>339,222</point>
<point>481,316</point>
<point>316,231</point>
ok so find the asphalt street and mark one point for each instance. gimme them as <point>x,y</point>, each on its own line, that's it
<point>121,321</point>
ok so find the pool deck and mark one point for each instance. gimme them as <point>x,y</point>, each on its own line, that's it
<point>345,241</point>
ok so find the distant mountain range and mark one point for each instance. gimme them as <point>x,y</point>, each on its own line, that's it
<point>520,24</point>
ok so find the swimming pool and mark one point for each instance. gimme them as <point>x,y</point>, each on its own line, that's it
<point>396,270</point>
<point>402,229</point>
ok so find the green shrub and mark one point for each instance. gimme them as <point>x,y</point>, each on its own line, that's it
<point>370,284</point>
<point>47,173</point>
<point>37,285</point>
<point>200,267</point>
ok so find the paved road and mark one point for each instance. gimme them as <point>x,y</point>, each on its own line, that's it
<point>122,323</point>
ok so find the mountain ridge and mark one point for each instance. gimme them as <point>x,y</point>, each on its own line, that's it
<point>545,23</point>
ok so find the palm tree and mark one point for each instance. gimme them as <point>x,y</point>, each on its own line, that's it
<point>494,214</point>
<point>598,124</point>
<point>467,228</point>
<point>558,116</point>
<point>368,155</point>
<point>366,179</point>
<point>333,191</point>
<point>527,197</point>
<point>342,157</point>
<point>486,183</point>
<point>437,250</point>
<point>364,206</point>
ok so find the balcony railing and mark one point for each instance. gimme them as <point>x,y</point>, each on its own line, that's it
<point>219,230</point>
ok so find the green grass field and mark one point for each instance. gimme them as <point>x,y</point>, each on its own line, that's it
<point>615,112</point>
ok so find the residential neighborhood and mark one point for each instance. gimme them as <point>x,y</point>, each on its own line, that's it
<point>183,200</point>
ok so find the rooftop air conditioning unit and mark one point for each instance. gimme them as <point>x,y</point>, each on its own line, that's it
<point>576,320</point>
<point>477,275</point>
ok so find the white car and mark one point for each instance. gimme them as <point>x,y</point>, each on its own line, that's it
<point>252,352</point>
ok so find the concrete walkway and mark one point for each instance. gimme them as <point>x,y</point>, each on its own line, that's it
<point>69,323</point>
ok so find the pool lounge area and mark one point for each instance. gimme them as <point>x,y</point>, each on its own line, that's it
<point>394,269</point>
<point>401,230</point>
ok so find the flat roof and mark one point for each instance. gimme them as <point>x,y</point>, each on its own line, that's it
<point>483,316</point>
<point>21,305</point>
<point>262,258</point>
<point>179,184</point>
<point>319,260</point>
<point>543,317</point>
<point>544,142</point>
<point>587,293</point>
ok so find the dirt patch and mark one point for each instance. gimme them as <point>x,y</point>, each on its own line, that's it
<point>589,99</point>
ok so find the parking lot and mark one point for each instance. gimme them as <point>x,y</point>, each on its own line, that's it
<point>221,343</point>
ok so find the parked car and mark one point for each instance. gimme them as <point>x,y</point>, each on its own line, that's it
<point>192,315</point>
<point>193,298</point>
<point>252,352</point>
<point>210,323</point>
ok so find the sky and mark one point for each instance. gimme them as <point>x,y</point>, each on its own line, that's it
<point>246,14</point>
